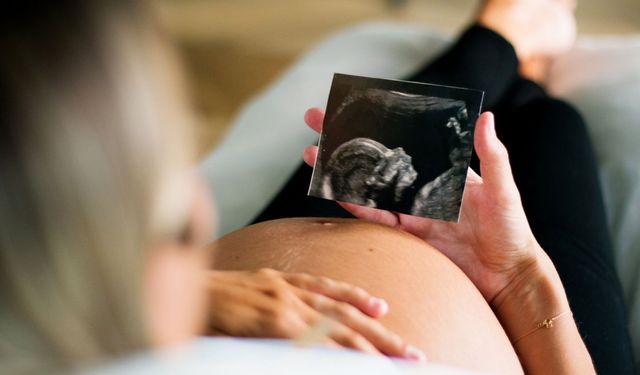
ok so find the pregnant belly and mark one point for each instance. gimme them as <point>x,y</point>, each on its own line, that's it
<point>432,303</point>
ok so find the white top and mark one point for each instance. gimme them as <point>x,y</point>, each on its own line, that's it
<point>265,356</point>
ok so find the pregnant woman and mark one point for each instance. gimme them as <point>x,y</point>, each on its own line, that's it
<point>102,229</point>
<point>526,280</point>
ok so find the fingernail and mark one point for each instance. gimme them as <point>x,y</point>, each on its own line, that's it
<point>379,305</point>
<point>415,354</point>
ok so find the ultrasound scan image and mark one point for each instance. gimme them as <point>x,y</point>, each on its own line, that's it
<point>396,145</point>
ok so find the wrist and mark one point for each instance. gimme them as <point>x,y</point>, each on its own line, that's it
<point>535,294</point>
<point>535,314</point>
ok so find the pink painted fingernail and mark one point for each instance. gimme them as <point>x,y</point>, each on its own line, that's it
<point>379,305</point>
<point>414,354</point>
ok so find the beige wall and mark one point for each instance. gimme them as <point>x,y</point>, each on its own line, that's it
<point>233,48</point>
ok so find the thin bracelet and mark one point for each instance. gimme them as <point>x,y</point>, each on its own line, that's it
<point>547,323</point>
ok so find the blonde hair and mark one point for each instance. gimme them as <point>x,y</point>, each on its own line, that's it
<point>92,140</point>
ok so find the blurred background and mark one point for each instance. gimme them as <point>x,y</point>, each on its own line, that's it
<point>234,48</point>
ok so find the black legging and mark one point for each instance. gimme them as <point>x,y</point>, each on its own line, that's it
<point>555,169</point>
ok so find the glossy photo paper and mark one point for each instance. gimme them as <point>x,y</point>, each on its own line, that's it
<point>396,145</point>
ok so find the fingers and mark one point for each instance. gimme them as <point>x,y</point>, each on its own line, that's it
<point>494,159</point>
<point>310,155</point>
<point>372,214</point>
<point>314,118</point>
<point>348,305</point>
<point>361,328</point>
<point>323,328</point>
<point>348,338</point>
<point>340,291</point>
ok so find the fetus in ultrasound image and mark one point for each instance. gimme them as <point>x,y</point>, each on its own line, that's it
<point>396,145</point>
<point>365,172</point>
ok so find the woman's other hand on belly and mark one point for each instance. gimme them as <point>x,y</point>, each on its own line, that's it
<point>312,310</point>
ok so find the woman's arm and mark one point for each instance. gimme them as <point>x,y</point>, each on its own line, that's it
<point>535,314</point>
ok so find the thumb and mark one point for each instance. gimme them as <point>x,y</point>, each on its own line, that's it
<point>494,159</point>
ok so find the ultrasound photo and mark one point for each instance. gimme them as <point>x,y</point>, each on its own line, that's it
<point>396,145</point>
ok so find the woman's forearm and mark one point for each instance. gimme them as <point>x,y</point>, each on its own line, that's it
<point>535,313</point>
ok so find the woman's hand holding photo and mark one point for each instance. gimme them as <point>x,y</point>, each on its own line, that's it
<point>494,246</point>
<point>493,243</point>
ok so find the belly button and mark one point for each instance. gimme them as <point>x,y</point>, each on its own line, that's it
<point>327,223</point>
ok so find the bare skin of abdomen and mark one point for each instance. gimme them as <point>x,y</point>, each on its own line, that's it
<point>433,305</point>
